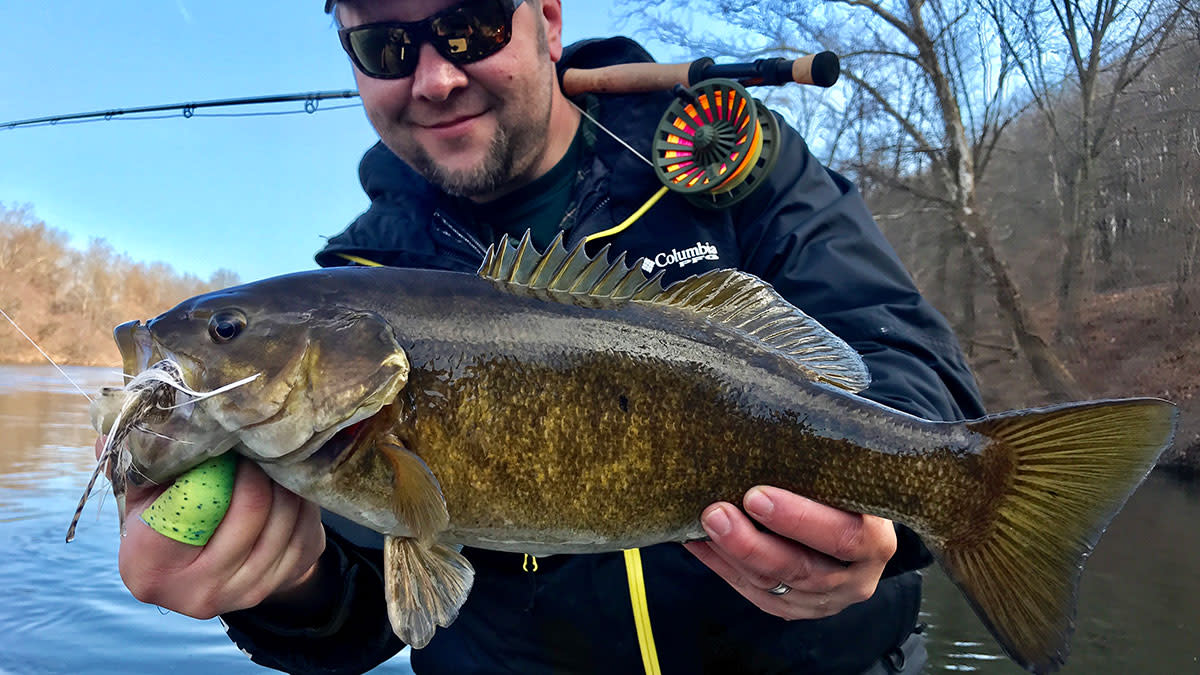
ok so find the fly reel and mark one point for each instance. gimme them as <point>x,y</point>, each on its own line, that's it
<point>715,143</point>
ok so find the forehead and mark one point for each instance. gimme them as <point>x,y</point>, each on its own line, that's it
<point>357,12</point>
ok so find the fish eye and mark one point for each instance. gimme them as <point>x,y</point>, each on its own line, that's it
<point>226,325</point>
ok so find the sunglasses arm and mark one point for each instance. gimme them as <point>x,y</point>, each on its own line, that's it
<point>821,70</point>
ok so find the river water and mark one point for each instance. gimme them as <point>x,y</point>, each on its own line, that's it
<point>63,608</point>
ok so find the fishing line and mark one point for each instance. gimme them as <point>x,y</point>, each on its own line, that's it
<point>610,133</point>
<point>140,390</point>
<point>43,353</point>
<point>713,146</point>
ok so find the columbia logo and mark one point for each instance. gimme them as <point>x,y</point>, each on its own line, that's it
<point>682,258</point>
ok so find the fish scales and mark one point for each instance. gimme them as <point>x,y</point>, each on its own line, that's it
<point>504,413</point>
<point>554,404</point>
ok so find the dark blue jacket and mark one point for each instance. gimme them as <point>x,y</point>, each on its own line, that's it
<point>807,231</point>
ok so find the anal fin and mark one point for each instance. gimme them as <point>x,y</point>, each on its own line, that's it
<point>425,586</point>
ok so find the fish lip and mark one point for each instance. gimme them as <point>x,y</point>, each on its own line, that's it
<point>140,349</point>
<point>331,445</point>
<point>345,441</point>
<point>135,344</point>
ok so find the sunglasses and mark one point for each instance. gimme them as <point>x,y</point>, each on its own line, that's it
<point>465,33</point>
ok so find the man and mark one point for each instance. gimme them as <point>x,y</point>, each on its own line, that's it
<point>478,140</point>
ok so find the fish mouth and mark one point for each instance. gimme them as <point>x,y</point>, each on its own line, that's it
<point>139,350</point>
<point>347,440</point>
<point>136,346</point>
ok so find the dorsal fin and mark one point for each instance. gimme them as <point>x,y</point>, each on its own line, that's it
<point>739,301</point>
<point>569,277</point>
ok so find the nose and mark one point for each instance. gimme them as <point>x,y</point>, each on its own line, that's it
<point>435,78</point>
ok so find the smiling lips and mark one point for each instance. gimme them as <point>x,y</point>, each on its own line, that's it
<point>450,125</point>
<point>452,122</point>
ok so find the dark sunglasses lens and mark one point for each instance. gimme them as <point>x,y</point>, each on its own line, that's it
<point>383,51</point>
<point>473,30</point>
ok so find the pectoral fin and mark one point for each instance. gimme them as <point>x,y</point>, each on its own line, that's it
<point>416,496</point>
<point>425,587</point>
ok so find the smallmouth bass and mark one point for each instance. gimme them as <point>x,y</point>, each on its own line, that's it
<point>561,404</point>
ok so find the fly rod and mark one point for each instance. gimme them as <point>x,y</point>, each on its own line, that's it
<point>821,70</point>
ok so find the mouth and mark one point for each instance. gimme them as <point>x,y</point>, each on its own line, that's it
<point>452,121</point>
<point>136,346</point>
<point>451,127</point>
<point>345,443</point>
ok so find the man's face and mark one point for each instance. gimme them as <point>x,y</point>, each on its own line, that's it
<point>475,129</point>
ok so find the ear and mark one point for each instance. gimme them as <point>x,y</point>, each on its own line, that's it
<point>552,16</point>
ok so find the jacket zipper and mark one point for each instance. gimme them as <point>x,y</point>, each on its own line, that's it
<point>447,228</point>
<point>593,211</point>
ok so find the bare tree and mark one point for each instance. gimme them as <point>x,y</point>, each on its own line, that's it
<point>1079,59</point>
<point>68,300</point>
<point>938,88</point>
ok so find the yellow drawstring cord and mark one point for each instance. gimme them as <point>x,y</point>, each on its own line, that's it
<point>641,611</point>
<point>631,219</point>
<point>360,261</point>
<point>605,233</point>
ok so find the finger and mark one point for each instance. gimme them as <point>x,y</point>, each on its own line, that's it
<point>249,510</point>
<point>764,559</point>
<point>844,536</point>
<point>305,544</point>
<point>146,557</point>
<point>708,555</point>
<point>793,605</point>
<point>270,561</point>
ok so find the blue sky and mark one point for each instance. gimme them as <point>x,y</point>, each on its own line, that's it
<point>251,194</point>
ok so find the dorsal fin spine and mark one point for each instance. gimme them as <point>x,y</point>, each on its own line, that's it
<point>630,283</point>
<point>561,271</point>
<point>545,262</point>
<point>591,271</point>
<point>522,251</point>
<point>651,289</point>
<point>646,285</point>
<point>611,278</point>
<point>503,262</point>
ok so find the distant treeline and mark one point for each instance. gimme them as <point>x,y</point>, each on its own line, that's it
<point>69,300</point>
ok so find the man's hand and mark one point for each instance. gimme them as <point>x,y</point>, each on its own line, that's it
<point>266,548</point>
<point>828,558</point>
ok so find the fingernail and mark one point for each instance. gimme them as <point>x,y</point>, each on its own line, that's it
<point>716,523</point>
<point>759,504</point>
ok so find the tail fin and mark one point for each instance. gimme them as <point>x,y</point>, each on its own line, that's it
<point>1074,467</point>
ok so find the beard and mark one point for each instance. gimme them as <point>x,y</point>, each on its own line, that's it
<point>495,170</point>
<point>521,137</point>
<point>519,141</point>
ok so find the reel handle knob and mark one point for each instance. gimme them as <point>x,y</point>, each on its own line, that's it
<point>821,70</point>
